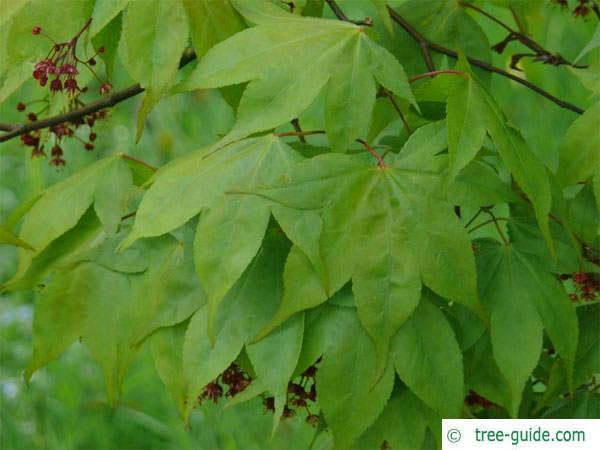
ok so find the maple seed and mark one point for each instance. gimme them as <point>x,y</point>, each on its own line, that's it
<point>36,30</point>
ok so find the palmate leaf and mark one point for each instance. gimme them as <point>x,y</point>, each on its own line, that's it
<point>408,237</point>
<point>230,232</point>
<point>105,184</point>
<point>108,310</point>
<point>243,312</point>
<point>288,60</point>
<point>519,314</point>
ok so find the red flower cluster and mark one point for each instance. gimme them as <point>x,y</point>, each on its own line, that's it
<point>583,8</point>
<point>587,286</point>
<point>60,69</point>
<point>234,377</point>
<point>59,133</point>
<point>61,65</point>
<point>298,396</point>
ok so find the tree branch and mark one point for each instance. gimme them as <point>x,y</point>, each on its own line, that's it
<point>341,16</point>
<point>105,102</point>
<point>421,40</point>
<point>541,54</point>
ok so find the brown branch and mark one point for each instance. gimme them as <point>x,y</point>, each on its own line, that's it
<point>5,127</point>
<point>341,16</point>
<point>541,54</point>
<point>297,128</point>
<point>372,151</point>
<point>396,106</point>
<point>140,162</point>
<point>298,133</point>
<point>105,102</point>
<point>434,74</point>
<point>420,39</point>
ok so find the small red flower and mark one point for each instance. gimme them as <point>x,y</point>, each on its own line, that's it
<point>36,30</point>
<point>71,86</point>
<point>20,106</point>
<point>56,85</point>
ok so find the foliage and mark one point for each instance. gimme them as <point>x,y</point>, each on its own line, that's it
<point>384,236</point>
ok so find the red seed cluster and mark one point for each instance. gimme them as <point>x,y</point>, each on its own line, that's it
<point>587,286</point>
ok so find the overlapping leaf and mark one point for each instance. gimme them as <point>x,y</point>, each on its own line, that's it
<point>107,309</point>
<point>519,314</point>
<point>288,60</point>
<point>228,234</point>
<point>105,184</point>
<point>408,237</point>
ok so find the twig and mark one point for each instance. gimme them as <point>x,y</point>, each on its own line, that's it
<point>421,40</point>
<point>296,125</point>
<point>396,106</point>
<point>5,127</point>
<point>298,133</point>
<point>541,54</point>
<point>340,15</point>
<point>494,220</point>
<point>106,102</point>
<point>434,74</point>
<point>372,151</point>
<point>140,162</point>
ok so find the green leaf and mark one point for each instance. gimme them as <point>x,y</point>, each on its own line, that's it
<point>6,237</point>
<point>288,60</point>
<point>593,44</point>
<point>243,312</point>
<point>428,359</point>
<point>466,130</point>
<point>478,184</point>
<point>197,180</point>
<point>107,309</point>
<point>402,225</point>
<point>382,11</point>
<point>211,22</point>
<point>402,423</point>
<point>579,151</point>
<point>274,359</point>
<point>482,374</point>
<point>64,203</point>
<point>302,290</point>
<point>155,35</point>
<point>105,12</point>
<point>227,238</point>
<point>167,352</point>
<point>529,172</point>
<point>519,314</point>
<point>352,392</point>
<point>112,194</point>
